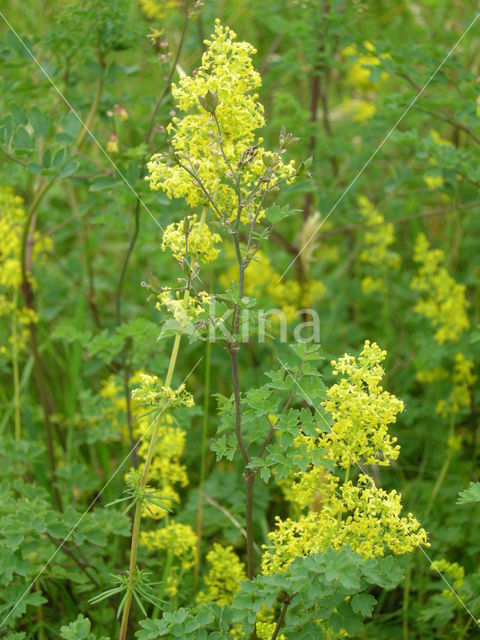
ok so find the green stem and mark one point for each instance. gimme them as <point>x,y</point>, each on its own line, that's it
<point>443,472</point>
<point>168,81</point>
<point>347,475</point>
<point>16,377</point>
<point>406,598</point>
<point>91,114</point>
<point>439,482</point>
<point>138,508</point>
<point>203,447</point>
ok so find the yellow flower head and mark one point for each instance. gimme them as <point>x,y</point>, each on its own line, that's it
<point>362,516</point>
<point>224,576</point>
<point>463,379</point>
<point>454,572</point>
<point>361,411</point>
<point>12,221</point>
<point>217,133</point>
<point>359,74</point>
<point>151,391</point>
<point>191,238</point>
<point>183,309</point>
<point>443,300</point>
<point>376,254</point>
<point>176,538</point>
<point>158,9</point>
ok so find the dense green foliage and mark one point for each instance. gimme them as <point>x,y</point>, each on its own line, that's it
<point>283,522</point>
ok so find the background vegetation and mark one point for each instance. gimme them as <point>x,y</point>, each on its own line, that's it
<point>76,327</point>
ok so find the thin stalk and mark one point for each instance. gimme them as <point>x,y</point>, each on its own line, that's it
<point>16,377</point>
<point>406,598</point>
<point>203,446</point>
<point>136,229</point>
<point>347,475</point>
<point>168,81</point>
<point>442,474</point>
<point>281,619</point>
<point>91,114</point>
<point>439,482</point>
<point>138,508</point>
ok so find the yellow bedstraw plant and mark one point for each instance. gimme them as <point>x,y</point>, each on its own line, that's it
<point>224,575</point>
<point>216,135</point>
<point>376,254</point>
<point>13,257</point>
<point>215,162</point>
<point>12,222</point>
<point>336,513</point>
<point>443,300</point>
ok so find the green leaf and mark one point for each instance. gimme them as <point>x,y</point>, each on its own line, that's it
<point>69,168</point>
<point>39,121</point>
<point>276,213</point>
<point>363,603</point>
<point>472,494</point>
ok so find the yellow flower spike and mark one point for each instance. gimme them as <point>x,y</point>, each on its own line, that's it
<point>183,309</point>
<point>362,516</point>
<point>158,9</point>
<point>167,473</point>
<point>178,538</point>
<point>455,573</point>
<point>221,95</point>
<point>372,525</point>
<point>361,412</point>
<point>463,379</point>
<point>378,238</point>
<point>151,391</point>
<point>359,75</point>
<point>224,576</point>
<point>12,220</point>
<point>443,300</point>
<point>199,242</point>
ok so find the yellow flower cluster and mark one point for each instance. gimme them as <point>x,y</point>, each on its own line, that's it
<point>360,515</point>
<point>443,302</point>
<point>463,379</point>
<point>12,221</point>
<point>454,572</point>
<point>359,109</point>
<point>224,576</point>
<point>179,541</point>
<point>184,309</point>
<point>151,391</point>
<point>192,238</point>
<point>266,624</point>
<point>359,75</point>
<point>167,473</point>
<point>261,279</point>
<point>377,241</point>
<point>166,469</point>
<point>436,181</point>
<point>209,156</point>
<point>361,411</point>
<point>158,9</point>
<point>428,376</point>
<point>114,411</point>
